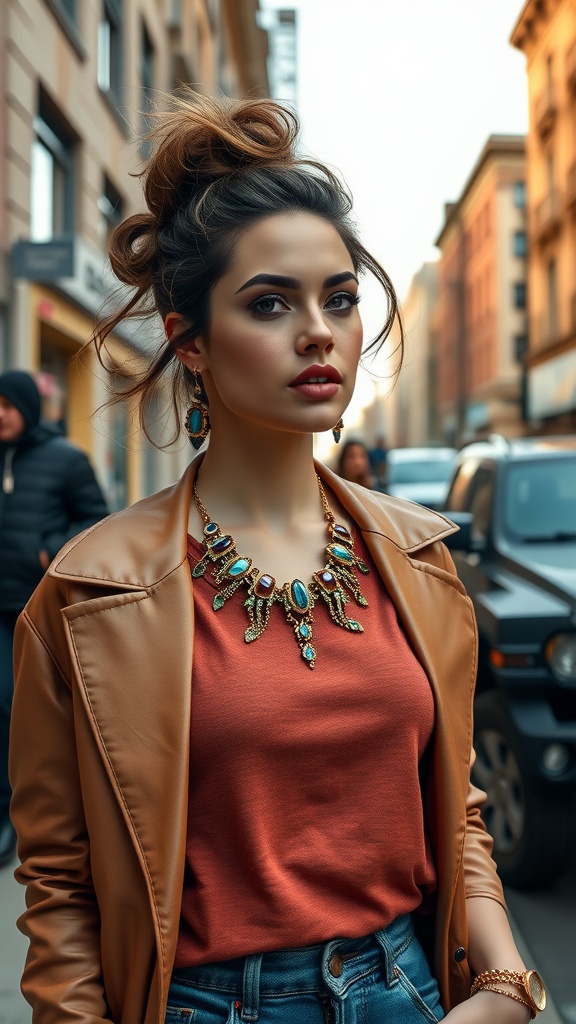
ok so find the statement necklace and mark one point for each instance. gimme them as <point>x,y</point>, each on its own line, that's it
<point>231,571</point>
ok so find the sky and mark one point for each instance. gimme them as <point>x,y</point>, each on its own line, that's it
<point>400,96</point>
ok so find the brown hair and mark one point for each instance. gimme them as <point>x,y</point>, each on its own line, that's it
<point>217,166</point>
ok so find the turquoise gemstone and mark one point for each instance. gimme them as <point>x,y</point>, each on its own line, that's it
<point>304,630</point>
<point>210,528</point>
<point>355,626</point>
<point>195,421</point>
<point>299,594</point>
<point>309,653</point>
<point>342,553</point>
<point>238,567</point>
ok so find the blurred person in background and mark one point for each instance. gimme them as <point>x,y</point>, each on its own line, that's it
<point>208,830</point>
<point>378,455</point>
<point>354,463</point>
<point>49,493</point>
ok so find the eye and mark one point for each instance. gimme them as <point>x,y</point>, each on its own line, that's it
<point>268,305</point>
<point>342,302</point>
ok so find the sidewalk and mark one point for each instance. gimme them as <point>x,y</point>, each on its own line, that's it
<point>13,1008</point>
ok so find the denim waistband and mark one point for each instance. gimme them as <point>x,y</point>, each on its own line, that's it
<point>337,963</point>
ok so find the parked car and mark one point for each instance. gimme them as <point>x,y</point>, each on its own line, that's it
<point>516,555</point>
<point>420,474</point>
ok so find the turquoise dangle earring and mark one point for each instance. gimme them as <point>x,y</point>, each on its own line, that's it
<point>337,430</point>
<point>197,421</point>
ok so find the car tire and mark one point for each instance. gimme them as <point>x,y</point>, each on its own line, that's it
<point>531,825</point>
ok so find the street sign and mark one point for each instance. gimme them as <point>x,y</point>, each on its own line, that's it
<point>43,261</point>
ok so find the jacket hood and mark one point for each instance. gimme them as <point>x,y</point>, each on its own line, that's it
<point>141,545</point>
<point>21,390</point>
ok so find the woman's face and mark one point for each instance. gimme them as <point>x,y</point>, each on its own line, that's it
<point>355,464</point>
<point>285,334</point>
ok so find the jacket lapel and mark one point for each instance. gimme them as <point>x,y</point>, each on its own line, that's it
<point>130,636</point>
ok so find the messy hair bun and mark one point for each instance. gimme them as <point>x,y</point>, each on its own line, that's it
<point>217,166</point>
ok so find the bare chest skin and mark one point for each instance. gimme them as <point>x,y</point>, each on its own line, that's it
<point>296,552</point>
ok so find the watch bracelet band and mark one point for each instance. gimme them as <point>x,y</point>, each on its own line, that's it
<point>488,980</point>
<point>514,977</point>
<point>489,987</point>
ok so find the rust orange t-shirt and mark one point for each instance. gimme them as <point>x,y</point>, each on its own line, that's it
<point>305,818</point>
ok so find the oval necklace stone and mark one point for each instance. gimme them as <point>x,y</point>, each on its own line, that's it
<point>299,596</point>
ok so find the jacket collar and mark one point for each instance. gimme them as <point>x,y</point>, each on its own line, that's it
<point>141,545</point>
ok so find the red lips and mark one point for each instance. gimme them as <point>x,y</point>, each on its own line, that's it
<point>329,373</point>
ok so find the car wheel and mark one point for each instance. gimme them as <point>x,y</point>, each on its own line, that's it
<point>531,827</point>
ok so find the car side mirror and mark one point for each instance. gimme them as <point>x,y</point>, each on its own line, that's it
<point>461,541</point>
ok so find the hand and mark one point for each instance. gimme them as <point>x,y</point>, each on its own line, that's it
<point>489,1006</point>
<point>44,559</point>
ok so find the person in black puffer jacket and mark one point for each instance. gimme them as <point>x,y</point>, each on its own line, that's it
<point>48,494</point>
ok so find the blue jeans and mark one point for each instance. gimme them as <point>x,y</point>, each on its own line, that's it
<point>382,978</point>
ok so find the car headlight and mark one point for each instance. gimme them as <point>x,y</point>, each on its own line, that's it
<point>561,656</point>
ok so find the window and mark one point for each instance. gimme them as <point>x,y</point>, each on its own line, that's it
<point>456,501</point>
<point>51,200</point>
<point>480,503</point>
<point>110,48</point>
<point>69,6</point>
<point>520,347</point>
<point>551,286</point>
<point>147,83</point>
<point>111,207</point>
<point>550,172</point>
<point>520,244</point>
<point>520,295</point>
<point>520,195</point>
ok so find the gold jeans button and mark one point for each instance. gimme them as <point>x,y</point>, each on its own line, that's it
<point>335,965</point>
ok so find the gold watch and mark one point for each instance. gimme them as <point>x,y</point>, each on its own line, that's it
<point>534,989</point>
<point>529,983</point>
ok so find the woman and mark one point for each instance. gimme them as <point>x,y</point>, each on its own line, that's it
<point>354,464</point>
<point>259,845</point>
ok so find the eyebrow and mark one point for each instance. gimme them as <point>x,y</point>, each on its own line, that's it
<point>279,281</point>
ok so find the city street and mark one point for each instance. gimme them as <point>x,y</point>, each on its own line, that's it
<point>546,921</point>
<point>543,922</point>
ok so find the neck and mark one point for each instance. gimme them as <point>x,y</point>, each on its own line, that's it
<point>251,477</point>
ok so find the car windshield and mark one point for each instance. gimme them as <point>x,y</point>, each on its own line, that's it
<point>540,501</point>
<point>435,471</point>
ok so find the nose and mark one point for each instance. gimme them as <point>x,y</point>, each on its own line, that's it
<point>315,335</point>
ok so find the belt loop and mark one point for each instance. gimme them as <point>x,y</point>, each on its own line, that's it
<point>251,988</point>
<point>387,957</point>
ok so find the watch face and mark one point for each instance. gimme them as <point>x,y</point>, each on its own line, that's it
<point>536,989</point>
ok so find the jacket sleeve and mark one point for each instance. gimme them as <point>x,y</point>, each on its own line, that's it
<point>480,873</point>
<point>83,498</point>
<point>62,976</point>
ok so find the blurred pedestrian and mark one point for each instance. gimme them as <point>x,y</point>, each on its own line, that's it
<point>354,463</point>
<point>209,831</point>
<point>49,493</point>
<point>378,455</point>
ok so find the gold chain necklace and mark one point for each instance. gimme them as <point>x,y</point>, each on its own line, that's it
<point>231,571</point>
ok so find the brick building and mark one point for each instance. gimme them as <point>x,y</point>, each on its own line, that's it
<point>546,34</point>
<point>481,314</point>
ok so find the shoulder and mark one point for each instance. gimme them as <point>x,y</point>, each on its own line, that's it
<point>136,547</point>
<point>409,526</point>
<point>54,445</point>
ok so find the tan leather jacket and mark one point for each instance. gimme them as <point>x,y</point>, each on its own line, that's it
<point>100,739</point>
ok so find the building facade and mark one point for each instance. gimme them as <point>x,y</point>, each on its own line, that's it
<point>482,299</point>
<point>79,80</point>
<point>412,406</point>
<point>546,33</point>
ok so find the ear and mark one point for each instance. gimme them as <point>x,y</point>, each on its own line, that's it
<point>191,351</point>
